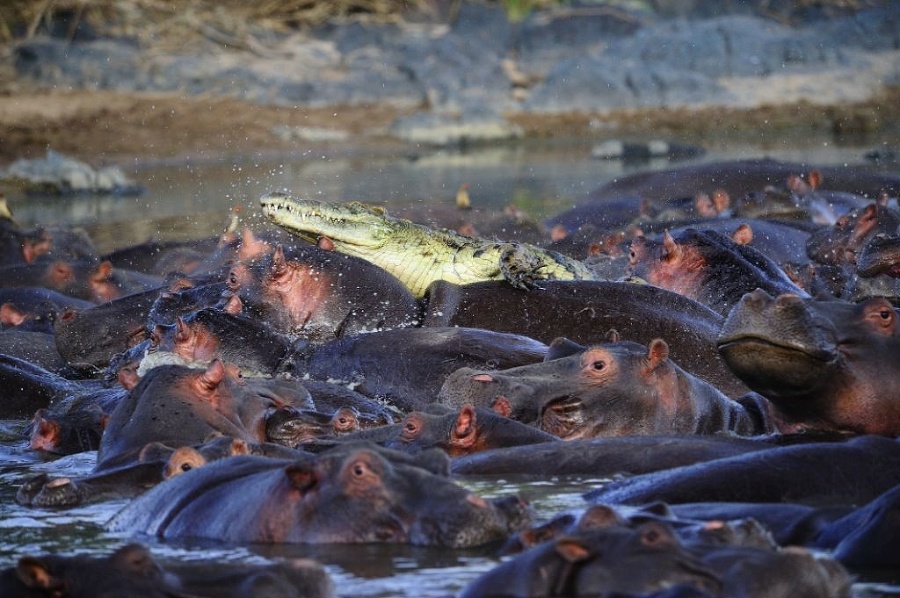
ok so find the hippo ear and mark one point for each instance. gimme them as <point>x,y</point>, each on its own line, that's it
<point>657,352</point>
<point>572,550</point>
<point>10,315</point>
<point>612,336</point>
<point>722,200</point>
<point>238,446</point>
<point>672,250</point>
<point>34,573</point>
<point>301,476</point>
<point>815,179</point>
<point>464,432</point>
<point>182,331</point>
<point>210,379</point>
<point>233,305</point>
<point>103,272</point>
<point>743,234</point>
<point>562,347</point>
<point>128,377</point>
<point>279,263</point>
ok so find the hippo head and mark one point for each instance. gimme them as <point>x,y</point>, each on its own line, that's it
<point>779,346</point>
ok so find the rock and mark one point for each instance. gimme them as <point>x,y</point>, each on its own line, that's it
<point>59,174</point>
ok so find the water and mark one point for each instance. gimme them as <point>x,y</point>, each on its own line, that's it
<point>194,199</point>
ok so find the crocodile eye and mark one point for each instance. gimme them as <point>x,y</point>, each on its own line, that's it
<point>598,365</point>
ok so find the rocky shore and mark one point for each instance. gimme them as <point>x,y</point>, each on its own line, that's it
<point>590,69</point>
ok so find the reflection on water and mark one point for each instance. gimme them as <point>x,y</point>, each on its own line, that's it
<point>193,199</point>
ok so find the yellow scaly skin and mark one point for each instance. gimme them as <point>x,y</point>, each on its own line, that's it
<point>418,255</point>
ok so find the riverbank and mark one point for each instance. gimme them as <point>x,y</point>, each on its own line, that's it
<point>361,85</point>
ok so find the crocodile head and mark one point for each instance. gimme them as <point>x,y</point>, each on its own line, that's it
<point>348,226</point>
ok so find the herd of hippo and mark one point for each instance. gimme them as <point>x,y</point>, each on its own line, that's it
<point>718,339</point>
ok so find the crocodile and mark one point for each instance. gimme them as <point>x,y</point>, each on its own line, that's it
<point>415,254</point>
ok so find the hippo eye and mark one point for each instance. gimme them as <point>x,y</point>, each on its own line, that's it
<point>598,365</point>
<point>186,467</point>
<point>885,314</point>
<point>359,470</point>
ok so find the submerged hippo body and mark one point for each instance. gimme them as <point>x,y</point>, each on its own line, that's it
<point>584,311</point>
<point>605,456</point>
<point>608,389</point>
<point>857,471</point>
<point>351,494</point>
<point>828,365</point>
<point>132,572</point>
<point>407,366</point>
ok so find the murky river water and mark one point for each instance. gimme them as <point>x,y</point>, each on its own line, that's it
<point>193,199</point>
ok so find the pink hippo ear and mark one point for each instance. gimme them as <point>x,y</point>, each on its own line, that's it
<point>210,379</point>
<point>10,315</point>
<point>301,476</point>
<point>572,550</point>
<point>279,268</point>
<point>464,433</point>
<point>657,352</point>
<point>34,573</point>
<point>673,251</point>
<point>743,234</point>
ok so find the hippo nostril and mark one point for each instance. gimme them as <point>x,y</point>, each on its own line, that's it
<point>787,300</point>
<point>482,378</point>
<point>757,298</point>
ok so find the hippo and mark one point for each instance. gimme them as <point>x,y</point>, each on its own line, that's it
<point>867,537</point>
<point>177,405</point>
<point>211,333</point>
<point>28,387</point>
<point>708,267</point>
<point>36,347</point>
<point>322,295</point>
<point>611,456</point>
<point>740,177</point>
<point>828,365</point>
<point>615,388</point>
<point>406,366</point>
<point>68,433</point>
<point>89,338</point>
<point>463,433</point>
<point>131,571</point>
<point>354,493</point>
<point>584,311</point>
<point>841,243</point>
<point>155,463</point>
<point>35,306</point>
<point>612,560</point>
<point>859,469</point>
